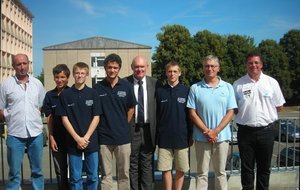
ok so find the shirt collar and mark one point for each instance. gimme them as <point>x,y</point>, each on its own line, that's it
<point>221,83</point>
<point>136,80</point>
<point>18,81</point>
<point>260,77</point>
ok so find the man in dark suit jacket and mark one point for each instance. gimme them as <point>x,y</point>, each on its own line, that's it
<point>143,132</point>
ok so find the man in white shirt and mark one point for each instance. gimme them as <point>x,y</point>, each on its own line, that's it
<point>259,98</point>
<point>21,99</point>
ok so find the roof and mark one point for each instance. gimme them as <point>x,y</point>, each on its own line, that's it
<point>23,8</point>
<point>97,43</point>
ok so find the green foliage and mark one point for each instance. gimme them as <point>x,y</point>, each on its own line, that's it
<point>41,77</point>
<point>237,49</point>
<point>175,44</point>
<point>290,43</point>
<point>207,43</point>
<point>281,61</point>
<point>276,64</point>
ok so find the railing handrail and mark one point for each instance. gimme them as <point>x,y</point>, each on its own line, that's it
<point>189,174</point>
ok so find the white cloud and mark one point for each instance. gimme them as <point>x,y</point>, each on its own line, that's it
<point>86,6</point>
<point>284,24</point>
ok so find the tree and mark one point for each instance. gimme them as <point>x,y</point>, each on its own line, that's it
<point>41,77</point>
<point>207,43</point>
<point>175,44</point>
<point>237,48</point>
<point>291,46</point>
<point>276,64</point>
<point>281,61</point>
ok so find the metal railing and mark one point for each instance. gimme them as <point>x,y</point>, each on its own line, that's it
<point>285,155</point>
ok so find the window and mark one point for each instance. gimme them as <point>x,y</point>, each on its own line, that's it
<point>97,61</point>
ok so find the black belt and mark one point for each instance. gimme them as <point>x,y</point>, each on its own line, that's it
<point>256,128</point>
<point>142,124</point>
<point>138,126</point>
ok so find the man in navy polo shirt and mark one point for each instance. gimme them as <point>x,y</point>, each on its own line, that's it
<point>57,132</point>
<point>174,130</point>
<point>118,103</point>
<point>80,111</point>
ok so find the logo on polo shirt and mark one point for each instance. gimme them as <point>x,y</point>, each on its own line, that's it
<point>121,94</point>
<point>181,100</point>
<point>165,100</point>
<point>70,105</point>
<point>103,94</point>
<point>89,102</point>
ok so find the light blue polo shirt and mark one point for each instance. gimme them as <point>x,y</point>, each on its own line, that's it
<point>211,105</point>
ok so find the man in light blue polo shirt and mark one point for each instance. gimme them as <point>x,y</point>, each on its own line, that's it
<point>211,104</point>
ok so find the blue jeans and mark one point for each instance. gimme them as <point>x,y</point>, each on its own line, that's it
<point>15,153</point>
<point>91,160</point>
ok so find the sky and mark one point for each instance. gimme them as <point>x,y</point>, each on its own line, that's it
<point>139,21</point>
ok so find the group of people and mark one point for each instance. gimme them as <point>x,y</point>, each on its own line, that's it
<point>126,118</point>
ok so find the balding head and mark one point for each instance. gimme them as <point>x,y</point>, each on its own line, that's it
<point>139,67</point>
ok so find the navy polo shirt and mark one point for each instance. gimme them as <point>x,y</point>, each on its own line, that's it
<point>59,131</point>
<point>172,118</point>
<point>80,106</point>
<point>114,128</point>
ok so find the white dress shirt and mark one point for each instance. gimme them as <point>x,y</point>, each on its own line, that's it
<point>136,88</point>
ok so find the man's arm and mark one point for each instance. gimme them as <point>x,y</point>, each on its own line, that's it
<point>130,114</point>
<point>2,118</point>
<point>279,108</point>
<point>81,142</point>
<point>92,127</point>
<point>52,141</point>
<point>197,121</point>
<point>213,134</point>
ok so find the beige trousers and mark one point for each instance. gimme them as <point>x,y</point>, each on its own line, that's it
<point>122,155</point>
<point>216,154</point>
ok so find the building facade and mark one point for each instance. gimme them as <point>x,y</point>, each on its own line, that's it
<point>93,52</point>
<point>16,35</point>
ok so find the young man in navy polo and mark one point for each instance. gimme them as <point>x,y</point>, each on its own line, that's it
<point>57,132</point>
<point>174,130</point>
<point>80,110</point>
<point>118,103</point>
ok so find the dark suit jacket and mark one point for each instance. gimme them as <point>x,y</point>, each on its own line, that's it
<point>152,85</point>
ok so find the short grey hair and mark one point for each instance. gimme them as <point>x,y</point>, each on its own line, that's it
<point>211,58</point>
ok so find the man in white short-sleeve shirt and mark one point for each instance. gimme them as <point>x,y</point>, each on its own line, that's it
<point>259,98</point>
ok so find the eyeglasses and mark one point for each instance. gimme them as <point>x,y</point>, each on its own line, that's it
<point>210,66</point>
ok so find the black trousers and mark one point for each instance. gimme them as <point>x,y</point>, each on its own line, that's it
<point>141,159</point>
<point>255,145</point>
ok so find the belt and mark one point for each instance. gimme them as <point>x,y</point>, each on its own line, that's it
<point>256,128</point>
<point>139,126</point>
<point>142,124</point>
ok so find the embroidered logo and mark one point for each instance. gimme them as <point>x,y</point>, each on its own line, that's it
<point>103,94</point>
<point>121,94</point>
<point>165,100</point>
<point>89,102</point>
<point>181,100</point>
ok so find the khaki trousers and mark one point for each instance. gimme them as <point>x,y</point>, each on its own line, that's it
<point>217,154</point>
<point>122,155</point>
